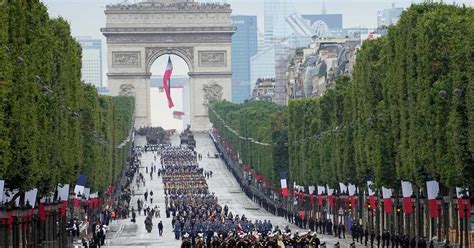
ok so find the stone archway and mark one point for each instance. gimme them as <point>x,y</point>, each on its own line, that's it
<point>200,34</point>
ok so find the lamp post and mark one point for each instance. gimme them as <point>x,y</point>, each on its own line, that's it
<point>466,203</point>
<point>413,202</point>
<point>460,223</point>
<point>345,197</point>
<point>439,204</point>
<point>421,202</point>
<point>399,216</point>
<point>446,200</point>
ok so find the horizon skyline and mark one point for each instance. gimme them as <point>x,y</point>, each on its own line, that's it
<point>86,17</point>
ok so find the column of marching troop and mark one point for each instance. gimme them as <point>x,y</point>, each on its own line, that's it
<point>198,220</point>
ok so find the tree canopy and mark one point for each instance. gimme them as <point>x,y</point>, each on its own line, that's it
<point>53,127</point>
<point>406,114</point>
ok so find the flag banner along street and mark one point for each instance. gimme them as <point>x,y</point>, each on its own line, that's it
<point>371,194</point>
<point>63,192</point>
<point>387,200</point>
<point>331,196</point>
<point>31,197</point>
<point>2,186</point>
<point>284,187</point>
<point>80,185</point>
<point>460,192</point>
<point>321,190</point>
<point>407,191</point>
<point>432,188</point>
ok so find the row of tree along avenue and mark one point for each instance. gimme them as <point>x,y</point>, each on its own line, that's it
<point>391,148</point>
<point>53,128</point>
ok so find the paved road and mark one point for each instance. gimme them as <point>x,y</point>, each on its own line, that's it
<point>126,234</point>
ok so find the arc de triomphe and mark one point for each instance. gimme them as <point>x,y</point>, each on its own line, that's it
<point>137,34</point>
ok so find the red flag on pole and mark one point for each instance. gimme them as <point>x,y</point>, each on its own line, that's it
<point>407,191</point>
<point>433,190</point>
<point>371,195</point>
<point>41,211</point>
<point>63,208</point>
<point>387,200</point>
<point>460,192</point>
<point>321,190</point>
<point>166,80</point>
<point>331,197</point>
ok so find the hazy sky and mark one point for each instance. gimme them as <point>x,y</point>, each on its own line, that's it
<point>87,16</point>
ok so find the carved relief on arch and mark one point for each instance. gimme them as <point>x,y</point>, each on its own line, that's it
<point>186,53</point>
<point>127,90</point>
<point>213,92</point>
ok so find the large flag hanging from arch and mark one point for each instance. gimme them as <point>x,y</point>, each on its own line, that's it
<point>166,82</point>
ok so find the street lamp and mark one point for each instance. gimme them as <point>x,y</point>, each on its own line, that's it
<point>421,202</point>
<point>439,204</point>
<point>466,200</point>
<point>345,197</point>
<point>413,202</point>
<point>399,215</point>
<point>446,218</point>
<point>458,224</point>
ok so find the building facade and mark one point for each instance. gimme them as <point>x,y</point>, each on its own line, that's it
<point>334,21</point>
<point>387,17</point>
<point>244,46</point>
<point>264,90</point>
<point>91,71</point>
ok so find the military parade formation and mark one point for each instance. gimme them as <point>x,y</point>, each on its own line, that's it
<point>198,220</point>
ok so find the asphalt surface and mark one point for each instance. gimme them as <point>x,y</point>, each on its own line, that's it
<point>124,233</point>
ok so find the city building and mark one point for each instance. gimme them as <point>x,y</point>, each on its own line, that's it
<point>264,90</point>
<point>263,65</point>
<point>91,71</point>
<point>244,46</point>
<point>284,30</point>
<point>314,69</point>
<point>387,17</point>
<point>333,21</point>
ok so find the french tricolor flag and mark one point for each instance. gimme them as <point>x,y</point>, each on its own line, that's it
<point>407,191</point>
<point>371,194</point>
<point>166,82</point>
<point>284,186</point>
<point>387,200</point>
<point>433,190</point>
